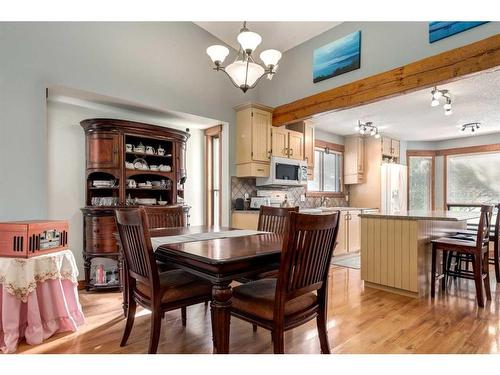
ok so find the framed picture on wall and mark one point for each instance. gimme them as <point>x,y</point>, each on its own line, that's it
<point>443,29</point>
<point>338,57</point>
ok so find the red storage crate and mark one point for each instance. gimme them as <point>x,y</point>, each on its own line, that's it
<point>25,239</point>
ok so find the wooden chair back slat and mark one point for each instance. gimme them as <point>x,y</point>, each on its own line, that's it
<point>274,219</point>
<point>483,230</point>
<point>136,244</point>
<point>307,250</point>
<point>165,217</point>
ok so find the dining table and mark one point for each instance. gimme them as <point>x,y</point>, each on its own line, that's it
<point>220,261</point>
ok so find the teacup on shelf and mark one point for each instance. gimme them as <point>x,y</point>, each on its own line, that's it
<point>129,147</point>
<point>150,150</point>
<point>160,151</point>
<point>129,165</point>
<point>165,168</point>
<point>140,148</point>
<point>153,168</point>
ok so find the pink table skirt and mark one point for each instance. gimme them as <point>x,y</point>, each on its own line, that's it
<point>52,307</point>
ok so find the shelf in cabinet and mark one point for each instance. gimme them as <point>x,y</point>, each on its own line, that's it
<point>169,156</point>
<point>104,188</point>
<point>133,172</point>
<point>148,189</point>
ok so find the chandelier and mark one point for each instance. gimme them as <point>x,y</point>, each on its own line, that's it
<point>441,94</point>
<point>367,128</point>
<point>244,72</point>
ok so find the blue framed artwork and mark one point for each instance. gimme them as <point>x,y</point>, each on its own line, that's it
<point>442,29</point>
<point>338,57</point>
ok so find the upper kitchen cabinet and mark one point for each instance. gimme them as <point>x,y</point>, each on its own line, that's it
<point>390,148</point>
<point>301,137</point>
<point>288,143</point>
<point>253,140</point>
<point>354,160</point>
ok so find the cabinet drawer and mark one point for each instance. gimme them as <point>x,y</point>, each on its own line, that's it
<point>101,245</point>
<point>252,170</point>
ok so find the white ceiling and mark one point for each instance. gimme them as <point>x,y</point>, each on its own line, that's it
<point>277,35</point>
<point>410,117</point>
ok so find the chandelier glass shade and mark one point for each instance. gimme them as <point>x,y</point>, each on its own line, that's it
<point>244,72</point>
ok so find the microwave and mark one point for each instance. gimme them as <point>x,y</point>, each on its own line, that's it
<point>284,172</point>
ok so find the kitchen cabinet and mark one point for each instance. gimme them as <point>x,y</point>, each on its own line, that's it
<point>245,220</point>
<point>253,140</point>
<point>280,142</point>
<point>287,143</point>
<point>390,147</point>
<point>354,160</point>
<point>349,234</point>
<point>306,128</point>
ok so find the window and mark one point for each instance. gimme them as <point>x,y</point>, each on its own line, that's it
<point>327,171</point>
<point>473,178</point>
<point>213,175</point>
<point>420,172</point>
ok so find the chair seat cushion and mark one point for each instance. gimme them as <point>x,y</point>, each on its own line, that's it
<point>177,285</point>
<point>257,298</point>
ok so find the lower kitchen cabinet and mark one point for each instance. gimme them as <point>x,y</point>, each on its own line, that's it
<point>349,235</point>
<point>245,220</point>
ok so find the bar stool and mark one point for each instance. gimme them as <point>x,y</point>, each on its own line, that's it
<point>478,250</point>
<point>471,236</point>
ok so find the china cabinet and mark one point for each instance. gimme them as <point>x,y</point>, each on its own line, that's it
<point>128,164</point>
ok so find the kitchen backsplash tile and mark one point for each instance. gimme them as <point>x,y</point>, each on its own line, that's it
<point>242,185</point>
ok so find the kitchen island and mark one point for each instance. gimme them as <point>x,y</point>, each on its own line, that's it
<point>396,247</point>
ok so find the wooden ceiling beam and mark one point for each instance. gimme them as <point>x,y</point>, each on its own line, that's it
<point>434,70</point>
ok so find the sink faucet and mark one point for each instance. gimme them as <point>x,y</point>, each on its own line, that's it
<point>324,200</point>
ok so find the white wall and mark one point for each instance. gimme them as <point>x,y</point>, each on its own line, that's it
<point>384,46</point>
<point>158,64</point>
<point>328,137</point>
<point>66,172</point>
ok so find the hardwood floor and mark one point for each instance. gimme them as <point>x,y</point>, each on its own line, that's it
<point>361,320</point>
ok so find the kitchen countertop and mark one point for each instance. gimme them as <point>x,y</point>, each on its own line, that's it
<point>312,210</point>
<point>423,215</point>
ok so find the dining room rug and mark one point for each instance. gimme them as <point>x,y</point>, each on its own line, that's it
<point>348,260</point>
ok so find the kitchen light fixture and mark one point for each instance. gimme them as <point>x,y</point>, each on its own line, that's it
<point>438,94</point>
<point>472,126</point>
<point>244,72</point>
<point>367,128</point>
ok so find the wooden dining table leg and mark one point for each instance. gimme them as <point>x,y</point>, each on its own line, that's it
<point>221,316</point>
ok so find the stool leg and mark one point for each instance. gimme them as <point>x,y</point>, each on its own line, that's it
<point>445,271</point>
<point>477,266</point>
<point>486,266</point>
<point>433,271</point>
<point>450,258</point>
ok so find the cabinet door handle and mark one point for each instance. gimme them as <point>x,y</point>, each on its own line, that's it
<point>269,154</point>
<point>291,152</point>
<point>260,170</point>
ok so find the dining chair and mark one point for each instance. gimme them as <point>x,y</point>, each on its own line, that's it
<point>470,235</point>
<point>300,291</point>
<point>165,217</point>
<point>158,292</point>
<point>477,250</point>
<point>275,220</point>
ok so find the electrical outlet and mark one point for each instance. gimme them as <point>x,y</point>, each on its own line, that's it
<point>302,198</point>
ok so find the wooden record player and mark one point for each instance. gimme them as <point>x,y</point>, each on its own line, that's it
<point>26,239</point>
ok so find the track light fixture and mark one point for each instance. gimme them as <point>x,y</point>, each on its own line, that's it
<point>438,94</point>
<point>472,126</point>
<point>367,128</point>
